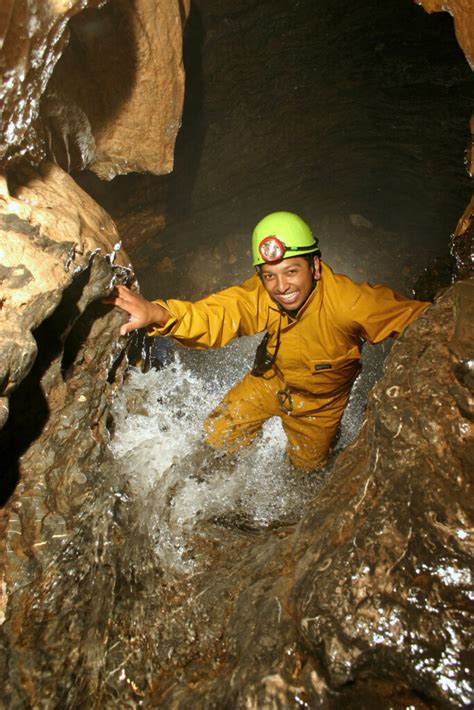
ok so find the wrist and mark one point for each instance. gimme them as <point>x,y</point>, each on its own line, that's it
<point>158,314</point>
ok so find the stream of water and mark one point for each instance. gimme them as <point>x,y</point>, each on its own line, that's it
<point>158,441</point>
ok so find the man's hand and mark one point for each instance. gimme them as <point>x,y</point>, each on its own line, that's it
<point>142,312</point>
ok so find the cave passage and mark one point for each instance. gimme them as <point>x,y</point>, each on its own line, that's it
<point>358,120</point>
<point>169,585</point>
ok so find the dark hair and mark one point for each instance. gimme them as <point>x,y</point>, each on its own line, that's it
<point>309,257</point>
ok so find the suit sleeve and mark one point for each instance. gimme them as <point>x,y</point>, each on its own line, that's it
<point>215,320</point>
<point>382,313</point>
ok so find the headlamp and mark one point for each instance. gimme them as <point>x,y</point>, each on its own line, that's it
<point>271,249</point>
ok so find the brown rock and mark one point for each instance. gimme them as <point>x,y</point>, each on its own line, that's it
<point>97,109</point>
<point>122,73</point>
<point>33,36</point>
<point>138,228</point>
<point>166,266</point>
<point>461,10</point>
<point>50,231</point>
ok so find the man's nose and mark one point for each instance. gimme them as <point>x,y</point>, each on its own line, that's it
<point>282,283</point>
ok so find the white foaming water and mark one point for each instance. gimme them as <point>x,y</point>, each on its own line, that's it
<point>159,414</point>
<point>159,442</point>
<point>159,418</point>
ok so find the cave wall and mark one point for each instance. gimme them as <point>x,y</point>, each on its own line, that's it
<point>461,10</point>
<point>87,84</point>
<point>92,84</point>
<point>84,84</point>
<point>34,35</point>
<point>51,233</point>
<point>121,77</point>
<point>58,353</point>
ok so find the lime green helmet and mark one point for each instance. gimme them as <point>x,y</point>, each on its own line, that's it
<point>281,235</point>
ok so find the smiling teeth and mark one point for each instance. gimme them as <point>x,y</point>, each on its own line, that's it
<point>288,296</point>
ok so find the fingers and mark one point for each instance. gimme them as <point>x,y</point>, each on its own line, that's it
<point>132,303</point>
<point>122,297</point>
<point>116,293</point>
<point>123,294</point>
<point>127,328</point>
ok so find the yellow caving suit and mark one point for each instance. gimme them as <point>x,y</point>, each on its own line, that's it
<point>316,363</point>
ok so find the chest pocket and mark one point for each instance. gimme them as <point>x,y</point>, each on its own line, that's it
<point>334,376</point>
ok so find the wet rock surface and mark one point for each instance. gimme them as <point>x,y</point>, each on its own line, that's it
<point>402,557</point>
<point>53,237</point>
<point>365,603</point>
<point>461,10</point>
<point>78,82</point>
<point>59,256</point>
<point>457,265</point>
<point>34,34</point>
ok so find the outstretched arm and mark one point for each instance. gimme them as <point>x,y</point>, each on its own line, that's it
<point>384,313</point>
<point>142,312</point>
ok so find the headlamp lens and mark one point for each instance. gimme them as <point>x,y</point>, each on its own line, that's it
<point>271,249</point>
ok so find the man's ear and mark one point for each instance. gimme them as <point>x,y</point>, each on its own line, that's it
<point>316,268</point>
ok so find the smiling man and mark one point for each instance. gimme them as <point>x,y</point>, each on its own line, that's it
<point>315,323</point>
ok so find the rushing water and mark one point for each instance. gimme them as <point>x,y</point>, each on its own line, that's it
<point>158,441</point>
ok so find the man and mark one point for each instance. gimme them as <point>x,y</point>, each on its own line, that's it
<point>315,323</point>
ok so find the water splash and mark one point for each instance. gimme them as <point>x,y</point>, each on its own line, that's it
<point>158,440</point>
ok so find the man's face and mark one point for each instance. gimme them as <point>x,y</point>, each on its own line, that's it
<point>290,282</point>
